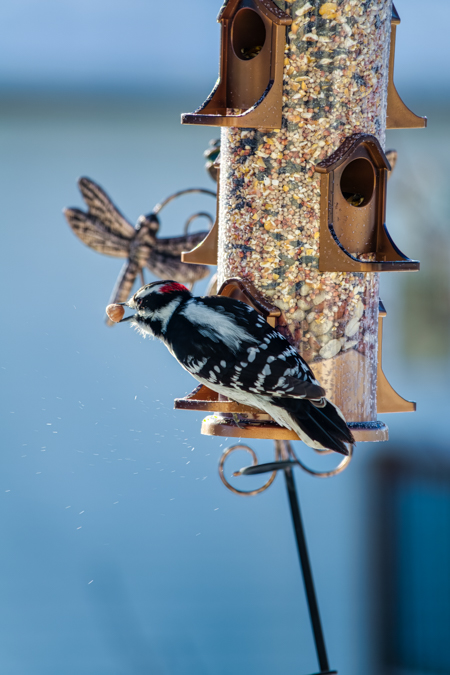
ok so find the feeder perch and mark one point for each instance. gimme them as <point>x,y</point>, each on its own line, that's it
<point>353,210</point>
<point>398,115</point>
<point>249,89</point>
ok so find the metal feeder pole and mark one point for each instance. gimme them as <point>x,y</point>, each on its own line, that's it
<point>285,460</point>
<point>307,572</point>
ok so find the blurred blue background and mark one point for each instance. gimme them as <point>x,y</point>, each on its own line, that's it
<point>122,553</point>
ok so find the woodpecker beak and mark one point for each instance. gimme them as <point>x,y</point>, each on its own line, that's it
<point>126,318</point>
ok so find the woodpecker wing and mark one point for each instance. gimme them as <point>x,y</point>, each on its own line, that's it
<point>102,208</point>
<point>239,350</point>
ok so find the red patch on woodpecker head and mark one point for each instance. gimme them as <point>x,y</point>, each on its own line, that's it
<point>172,288</point>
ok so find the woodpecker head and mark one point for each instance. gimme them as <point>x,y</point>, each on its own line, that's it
<point>154,304</point>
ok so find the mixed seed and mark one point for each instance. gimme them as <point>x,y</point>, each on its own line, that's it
<point>335,85</point>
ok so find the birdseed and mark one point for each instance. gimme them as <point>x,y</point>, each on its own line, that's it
<point>334,85</point>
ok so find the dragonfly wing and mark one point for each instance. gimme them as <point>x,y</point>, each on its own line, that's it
<point>176,245</point>
<point>167,266</point>
<point>103,209</point>
<point>94,234</point>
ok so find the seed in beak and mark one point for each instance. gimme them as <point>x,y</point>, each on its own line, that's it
<point>115,312</point>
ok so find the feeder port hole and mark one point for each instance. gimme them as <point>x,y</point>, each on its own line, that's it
<point>248,34</point>
<point>358,182</point>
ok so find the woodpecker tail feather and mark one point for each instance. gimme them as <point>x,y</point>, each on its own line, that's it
<point>321,425</point>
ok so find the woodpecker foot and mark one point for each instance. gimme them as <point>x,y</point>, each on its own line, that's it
<point>236,421</point>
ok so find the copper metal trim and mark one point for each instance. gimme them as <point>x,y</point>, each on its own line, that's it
<point>215,425</point>
<point>388,400</point>
<point>398,115</point>
<point>244,493</point>
<point>267,7</point>
<point>284,457</point>
<point>206,400</point>
<point>241,289</point>
<point>199,214</point>
<point>205,253</point>
<point>159,207</point>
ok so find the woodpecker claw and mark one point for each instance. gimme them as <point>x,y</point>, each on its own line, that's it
<point>237,421</point>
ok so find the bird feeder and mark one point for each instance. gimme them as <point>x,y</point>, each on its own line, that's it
<point>249,90</point>
<point>301,230</point>
<point>304,96</point>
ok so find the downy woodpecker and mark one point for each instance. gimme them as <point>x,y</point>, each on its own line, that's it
<point>229,347</point>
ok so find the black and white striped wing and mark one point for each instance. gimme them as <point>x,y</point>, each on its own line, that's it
<point>278,371</point>
<point>227,343</point>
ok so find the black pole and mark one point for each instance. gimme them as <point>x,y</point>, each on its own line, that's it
<point>306,571</point>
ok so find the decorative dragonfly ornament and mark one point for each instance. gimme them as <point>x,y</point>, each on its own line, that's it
<point>391,156</point>
<point>212,156</point>
<point>107,231</point>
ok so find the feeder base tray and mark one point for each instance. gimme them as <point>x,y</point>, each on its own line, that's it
<point>214,425</point>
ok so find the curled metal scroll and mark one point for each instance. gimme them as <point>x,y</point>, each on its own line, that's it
<point>180,193</point>
<point>343,464</point>
<point>285,458</point>
<point>244,493</point>
<point>200,214</point>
